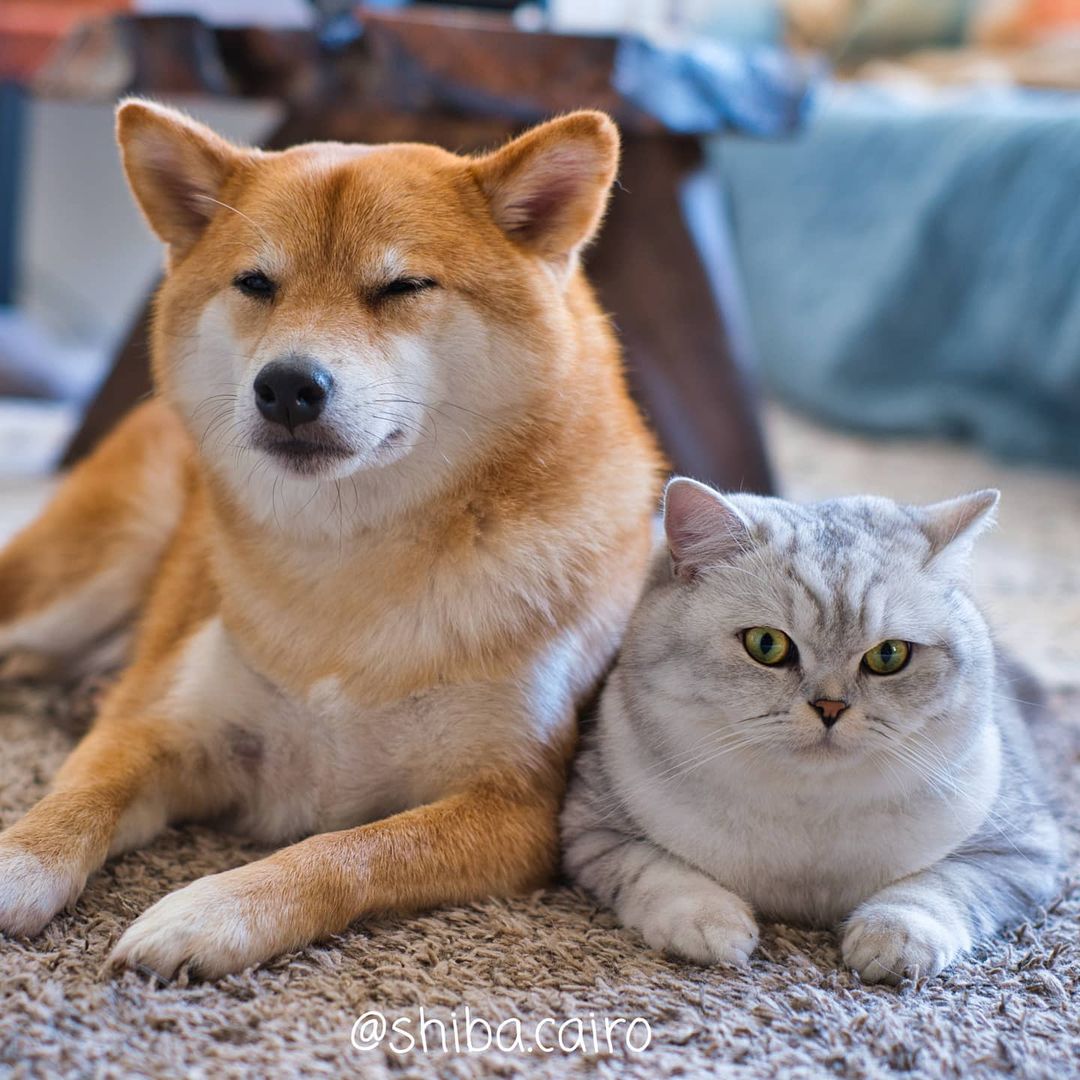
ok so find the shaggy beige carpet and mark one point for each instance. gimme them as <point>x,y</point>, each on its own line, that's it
<point>1014,1007</point>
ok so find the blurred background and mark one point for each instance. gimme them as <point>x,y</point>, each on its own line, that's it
<point>844,254</point>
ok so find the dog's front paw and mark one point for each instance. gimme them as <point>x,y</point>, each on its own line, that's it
<point>889,942</point>
<point>32,889</point>
<point>212,925</point>
<point>680,911</point>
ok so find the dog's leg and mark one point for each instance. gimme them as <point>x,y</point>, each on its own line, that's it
<point>120,787</point>
<point>497,838</point>
<point>71,581</point>
<point>139,768</point>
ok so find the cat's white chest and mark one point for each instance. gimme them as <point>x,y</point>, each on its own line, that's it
<point>807,856</point>
<point>800,864</point>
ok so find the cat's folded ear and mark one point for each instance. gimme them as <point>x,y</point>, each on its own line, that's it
<point>952,526</point>
<point>703,528</point>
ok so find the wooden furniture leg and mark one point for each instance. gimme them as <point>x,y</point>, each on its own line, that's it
<point>648,272</point>
<point>127,383</point>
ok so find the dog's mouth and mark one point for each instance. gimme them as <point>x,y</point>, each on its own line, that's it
<point>304,456</point>
<point>308,456</point>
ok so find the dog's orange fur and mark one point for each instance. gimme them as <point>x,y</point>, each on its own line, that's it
<point>424,601</point>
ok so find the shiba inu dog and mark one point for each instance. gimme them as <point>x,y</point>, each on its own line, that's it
<point>365,552</point>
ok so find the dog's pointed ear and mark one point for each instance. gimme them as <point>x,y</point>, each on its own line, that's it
<point>175,167</point>
<point>547,189</point>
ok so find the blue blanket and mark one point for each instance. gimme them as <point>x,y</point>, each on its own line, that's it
<point>914,267</point>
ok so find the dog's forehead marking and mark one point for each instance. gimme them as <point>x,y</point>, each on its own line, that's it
<point>327,195</point>
<point>271,259</point>
<point>319,158</point>
<point>391,264</point>
<point>386,264</point>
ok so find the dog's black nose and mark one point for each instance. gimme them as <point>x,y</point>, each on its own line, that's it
<point>292,392</point>
<point>829,711</point>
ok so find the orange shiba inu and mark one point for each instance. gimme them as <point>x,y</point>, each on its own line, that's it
<point>382,528</point>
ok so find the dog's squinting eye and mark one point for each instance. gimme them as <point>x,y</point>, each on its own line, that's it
<point>888,658</point>
<point>405,286</point>
<point>255,284</point>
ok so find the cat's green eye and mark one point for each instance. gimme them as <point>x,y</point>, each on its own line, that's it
<point>767,645</point>
<point>888,657</point>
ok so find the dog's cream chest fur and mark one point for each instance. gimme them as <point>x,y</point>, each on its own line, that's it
<point>319,760</point>
<point>305,763</point>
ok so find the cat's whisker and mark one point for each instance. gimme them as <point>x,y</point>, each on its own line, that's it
<point>723,743</point>
<point>935,777</point>
<point>736,738</point>
<point>677,768</point>
<point>693,750</point>
<point>1023,701</point>
<point>738,744</point>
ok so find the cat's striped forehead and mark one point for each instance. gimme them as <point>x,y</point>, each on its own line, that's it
<point>844,571</point>
<point>838,528</point>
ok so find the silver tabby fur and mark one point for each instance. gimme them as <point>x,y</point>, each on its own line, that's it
<point>710,793</point>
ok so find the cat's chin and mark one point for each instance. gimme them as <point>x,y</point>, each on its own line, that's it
<point>826,748</point>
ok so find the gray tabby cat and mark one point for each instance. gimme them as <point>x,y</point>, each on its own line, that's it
<point>809,722</point>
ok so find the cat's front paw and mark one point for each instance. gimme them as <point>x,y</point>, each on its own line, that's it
<point>684,913</point>
<point>891,942</point>
<point>32,889</point>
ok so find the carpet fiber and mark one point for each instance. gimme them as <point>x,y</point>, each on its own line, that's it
<point>1013,1007</point>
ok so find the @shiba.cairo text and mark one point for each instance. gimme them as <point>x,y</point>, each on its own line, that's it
<point>472,1034</point>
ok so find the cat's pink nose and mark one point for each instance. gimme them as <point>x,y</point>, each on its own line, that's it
<point>829,711</point>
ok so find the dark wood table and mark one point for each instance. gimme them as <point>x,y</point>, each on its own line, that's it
<point>467,81</point>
